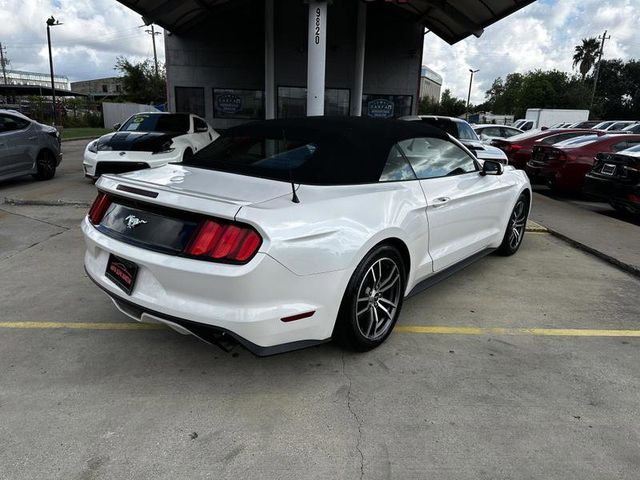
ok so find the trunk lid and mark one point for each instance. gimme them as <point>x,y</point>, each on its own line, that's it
<point>193,189</point>
<point>617,166</point>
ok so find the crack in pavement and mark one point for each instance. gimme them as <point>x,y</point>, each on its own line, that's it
<point>356,418</point>
<point>35,219</point>
<point>2,260</point>
<point>43,203</point>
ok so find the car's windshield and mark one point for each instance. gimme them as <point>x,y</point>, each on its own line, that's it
<point>272,158</point>
<point>157,122</point>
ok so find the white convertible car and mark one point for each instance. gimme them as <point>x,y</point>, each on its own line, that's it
<point>286,233</point>
<point>147,140</point>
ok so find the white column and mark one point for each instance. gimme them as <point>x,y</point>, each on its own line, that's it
<point>316,57</point>
<point>358,74</point>
<point>269,62</point>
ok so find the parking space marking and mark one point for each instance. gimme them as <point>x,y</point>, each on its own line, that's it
<point>430,330</point>
<point>541,332</point>
<point>82,325</point>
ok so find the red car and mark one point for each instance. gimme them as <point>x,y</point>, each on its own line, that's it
<point>565,164</point>
<point>520,147</point>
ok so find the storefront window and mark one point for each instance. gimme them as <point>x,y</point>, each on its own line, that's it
<point>190,100</point>
<point>238,103</point>
<point>292,102</point>
<point>386,106</point>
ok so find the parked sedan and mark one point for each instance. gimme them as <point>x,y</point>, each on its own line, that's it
<point>612,125</point>
<point>634,128</point>
<point>461,130</point>
<point>615,178</point>
<point>147,140</point>
<point>564,165</point>
<point>520,147</point>
<point>285,233</point>
<point>489,132</point>
<point>27,147</point>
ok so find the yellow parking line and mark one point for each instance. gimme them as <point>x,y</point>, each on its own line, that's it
<point>432,330</point>
<point>81,325</point>
<point>551,332</point>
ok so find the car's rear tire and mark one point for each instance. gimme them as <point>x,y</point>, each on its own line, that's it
<point>45,166</point>
<point>516,226</point>
<point>372,301</point>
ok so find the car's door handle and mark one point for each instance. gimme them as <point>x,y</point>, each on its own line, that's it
<point>440,201</point>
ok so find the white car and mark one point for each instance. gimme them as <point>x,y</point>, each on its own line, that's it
<point>285,233</point>
<point>613,125</point>
<point>489,131</point>
<point>147,140</point>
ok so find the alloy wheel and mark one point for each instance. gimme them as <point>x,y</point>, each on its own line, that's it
<point>378,297</point>
<point>517,224</point>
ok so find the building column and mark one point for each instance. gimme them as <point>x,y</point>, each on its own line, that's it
<point>358,74</point>
<point>269,62</point>
<point>316,57</point>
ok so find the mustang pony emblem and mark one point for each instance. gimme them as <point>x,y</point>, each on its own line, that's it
<point>132,221</point>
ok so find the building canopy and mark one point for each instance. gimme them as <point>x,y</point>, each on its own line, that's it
<point>451,20</point>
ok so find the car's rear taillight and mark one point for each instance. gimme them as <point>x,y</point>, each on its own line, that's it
<point>513,147</point>
<point>227,242</point>
<point>99,208</point>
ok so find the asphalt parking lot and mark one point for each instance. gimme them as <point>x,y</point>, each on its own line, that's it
<point>515,368</point>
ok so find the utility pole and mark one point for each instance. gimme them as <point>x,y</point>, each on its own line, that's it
<point>52,22</point>
<point>3,62</point>
<point>469,95</point>
<point>597,74</point>
<point>153,34</point>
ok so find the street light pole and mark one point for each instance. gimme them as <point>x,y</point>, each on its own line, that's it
<point>469,95</point>
<point>52,22</point>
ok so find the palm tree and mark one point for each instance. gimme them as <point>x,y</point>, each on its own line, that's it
<point>586,55</point>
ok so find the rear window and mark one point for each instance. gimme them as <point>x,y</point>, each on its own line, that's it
<point>525,135</point>
<point>273,158</point>
<point>164,123</point>
<point>579,141</point>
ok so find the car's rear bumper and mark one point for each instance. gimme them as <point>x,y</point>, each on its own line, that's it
<point>247,302</point>
<point>613,191</point>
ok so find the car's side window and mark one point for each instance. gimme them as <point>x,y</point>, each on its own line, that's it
<point>434,157</point>
<point>199,124</point>
<point>397,167</point>
<point>465,132</point>
<point>492,131</point>
<point>9,123</point>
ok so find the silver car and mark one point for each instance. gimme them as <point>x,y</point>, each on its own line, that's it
<point>27,147</point>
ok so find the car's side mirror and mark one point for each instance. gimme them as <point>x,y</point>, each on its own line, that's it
<point>116,126</point>
<point>490,167</point>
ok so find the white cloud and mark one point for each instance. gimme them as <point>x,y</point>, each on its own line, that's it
<point>94,33</point>
<point>542,35</point>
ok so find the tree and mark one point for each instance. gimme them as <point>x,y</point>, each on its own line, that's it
<point>448,105</point>
<point>618,91</point>
<point>140,82</point>
<point>585,55</point>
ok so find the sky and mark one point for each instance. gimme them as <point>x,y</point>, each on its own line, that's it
<point>542,35</point>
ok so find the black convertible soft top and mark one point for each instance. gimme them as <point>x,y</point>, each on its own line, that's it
<point>348,150</point>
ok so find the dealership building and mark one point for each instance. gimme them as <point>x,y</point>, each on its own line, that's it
<point>233,61</point>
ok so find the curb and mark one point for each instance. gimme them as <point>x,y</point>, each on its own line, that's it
<point>627,267</point>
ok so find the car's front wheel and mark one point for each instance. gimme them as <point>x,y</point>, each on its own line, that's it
<point>373,300</point>
<point>45,166</point>
<point>515,227</point>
